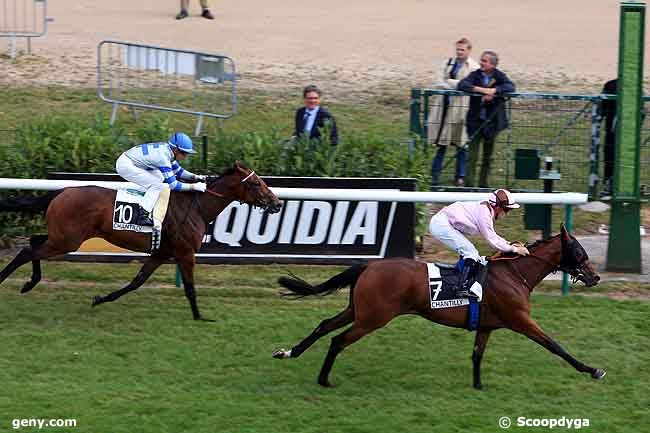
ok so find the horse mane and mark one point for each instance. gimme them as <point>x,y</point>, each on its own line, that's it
<point>539,242</point>
<point>229,171</point>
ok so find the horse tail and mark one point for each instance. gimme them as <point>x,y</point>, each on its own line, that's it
<point>27,204</point>
<point>301,288</point>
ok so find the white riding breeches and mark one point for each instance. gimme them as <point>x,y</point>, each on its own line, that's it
<point>152,180</point>
<point>442,230</point>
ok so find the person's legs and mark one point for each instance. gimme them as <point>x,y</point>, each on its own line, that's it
<point>488,149</point>
<point>184,8</point>
<point>206,11</point>
<point>609,156</point>
<point>443,231</point>
<point>436,165</point>
<point>461,155</point>
<point>152,181</point>
<point>470,169</point>
<point>458,141</point>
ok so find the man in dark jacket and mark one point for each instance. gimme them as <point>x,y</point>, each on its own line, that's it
<point>312,117</point>
<point>486,116</point>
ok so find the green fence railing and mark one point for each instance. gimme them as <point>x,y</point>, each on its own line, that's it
<point>566,127</point>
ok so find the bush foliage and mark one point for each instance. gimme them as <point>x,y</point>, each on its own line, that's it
<point>63,144</point>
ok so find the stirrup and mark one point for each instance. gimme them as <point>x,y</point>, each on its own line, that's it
<point>465,293</point>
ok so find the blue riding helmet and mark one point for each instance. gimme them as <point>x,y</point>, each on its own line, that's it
<point>182,142</point>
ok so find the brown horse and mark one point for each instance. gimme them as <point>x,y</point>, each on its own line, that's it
<point>74,215</point>
<point>384,289</point>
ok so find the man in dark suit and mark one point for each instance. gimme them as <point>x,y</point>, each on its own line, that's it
<point>486,116</point>
<point>311,118</point>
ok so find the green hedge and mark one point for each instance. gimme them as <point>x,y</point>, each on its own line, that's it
<point>63,144</point>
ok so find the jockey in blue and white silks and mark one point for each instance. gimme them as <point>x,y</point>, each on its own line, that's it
<point>155,167</point>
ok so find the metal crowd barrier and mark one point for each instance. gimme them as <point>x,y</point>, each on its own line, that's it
<point>23,19</point>
<point>155,78</point>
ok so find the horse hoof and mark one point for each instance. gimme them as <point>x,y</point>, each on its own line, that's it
<point>27,287</point>
<point>598,374</point>
<point>203,319</point>
<point>478,387</point>
<point>282,354</point>
<point>325,383</point>
<point>96,301</point>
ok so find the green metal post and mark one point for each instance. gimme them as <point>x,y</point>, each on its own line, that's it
<point>568,223</point>
<point>624,248</point>
<point>204,150</point>
<point>548,209</point>
<point>415,124</point>
<point>178,276</point>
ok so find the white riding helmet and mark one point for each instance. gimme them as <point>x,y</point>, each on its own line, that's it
<point>503,198</point>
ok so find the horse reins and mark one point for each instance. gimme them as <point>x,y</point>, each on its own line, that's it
<point>216,194</point>
<point>219,195</point>
<point>196,201</point>
<point>554,268</point>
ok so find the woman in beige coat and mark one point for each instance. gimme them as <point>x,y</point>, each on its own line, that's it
<point>446,122</point>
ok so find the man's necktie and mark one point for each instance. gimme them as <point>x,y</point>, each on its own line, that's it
<point>305,119</point>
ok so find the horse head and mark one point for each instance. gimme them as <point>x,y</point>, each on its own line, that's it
<point>244,185</point>
<point>575,261</point>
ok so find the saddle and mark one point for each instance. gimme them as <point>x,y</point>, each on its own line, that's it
<point>443,280</point>
<point>129,215</point>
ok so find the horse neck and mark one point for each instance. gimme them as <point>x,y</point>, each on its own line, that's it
<point>212,206</point>
<point>544,259</point>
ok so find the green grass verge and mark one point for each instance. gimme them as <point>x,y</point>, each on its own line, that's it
<point>142,365</point>
<point>257,111</point>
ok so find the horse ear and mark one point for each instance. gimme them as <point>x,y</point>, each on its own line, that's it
<point>564,232</point>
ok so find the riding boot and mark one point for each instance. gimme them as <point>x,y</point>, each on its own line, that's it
<point>466,278</point>
<point>145,219</point>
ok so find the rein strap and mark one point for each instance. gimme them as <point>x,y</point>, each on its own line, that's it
<point>216,194</point>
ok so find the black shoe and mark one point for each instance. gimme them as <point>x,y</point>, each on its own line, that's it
<point>207,14</point>
<point>182,14</point>
<point>145,219</point>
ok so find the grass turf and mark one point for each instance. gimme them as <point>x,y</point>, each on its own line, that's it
<point>142,365</point>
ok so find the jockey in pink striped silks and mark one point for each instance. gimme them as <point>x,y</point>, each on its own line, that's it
<point>453,222</point>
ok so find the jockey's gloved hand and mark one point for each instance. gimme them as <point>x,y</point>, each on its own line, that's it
<point>521,250</point>
<point>199,178</point>
<point>199,186</point>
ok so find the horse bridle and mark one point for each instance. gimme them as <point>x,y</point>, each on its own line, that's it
<point>195,201</point>
<point>219,195</point>
<point>573,269</point>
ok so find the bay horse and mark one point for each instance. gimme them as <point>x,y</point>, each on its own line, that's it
<point>384,289</point>
<point>76,214</point>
